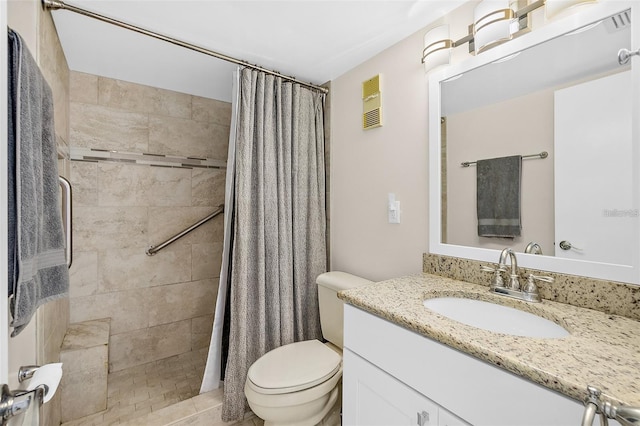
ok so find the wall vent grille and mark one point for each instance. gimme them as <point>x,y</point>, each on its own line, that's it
<point>371,119</point>
<point>618,22</point>
<point>371,103</point>
<point>371,87</point>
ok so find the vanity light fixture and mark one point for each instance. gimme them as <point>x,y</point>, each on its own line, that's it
<point>492,23</point>
<point>498,21</point>
<point>495,22</point>
<point>555,7</point>
<point>438,46</point>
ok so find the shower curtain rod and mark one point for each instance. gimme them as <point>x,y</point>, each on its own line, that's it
<point>59,4</point>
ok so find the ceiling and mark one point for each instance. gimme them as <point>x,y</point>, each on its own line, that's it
<point>313,40</point>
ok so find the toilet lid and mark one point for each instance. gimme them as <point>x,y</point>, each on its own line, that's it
<point>294,367</point>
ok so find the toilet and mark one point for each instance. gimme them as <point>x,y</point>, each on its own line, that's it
<point>299,383</point>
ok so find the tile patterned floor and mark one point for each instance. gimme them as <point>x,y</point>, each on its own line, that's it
<point>165,393</point>
<point>135,392</point>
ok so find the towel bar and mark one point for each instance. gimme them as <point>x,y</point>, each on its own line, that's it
<point>543,154</point>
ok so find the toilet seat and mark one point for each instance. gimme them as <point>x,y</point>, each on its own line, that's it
<point>293,368</point>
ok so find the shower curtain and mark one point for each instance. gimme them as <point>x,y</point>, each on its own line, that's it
<point>277,228</point>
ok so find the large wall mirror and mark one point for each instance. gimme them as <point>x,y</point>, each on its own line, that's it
<point>560,98</point>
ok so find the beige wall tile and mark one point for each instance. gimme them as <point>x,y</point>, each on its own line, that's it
<point>83,274</point>
<point>137,347</point>
<point>94,126</point>
<point>53,317</point>
<point>211,111</point>
<point>84,88</point>
<point>135,97</point>
<point>176,302</point>
<point>201,328</point>
<point>92,359</point>
<point>176,136</point>
<point>84,179</point>
<point>102,228</point>
<point>53,64</point>
<point>83,394</point>
<point>207,187</point>
<point>220,142</point>
<point>21,18</point>
<point>140,185</point>
<point>121,209</point>
<point>207,259</point>
<point>128,310</point>
<point>122,269</point>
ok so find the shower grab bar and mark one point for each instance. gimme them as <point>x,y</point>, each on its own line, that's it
<point>154,249</point>
<point>67,217</point>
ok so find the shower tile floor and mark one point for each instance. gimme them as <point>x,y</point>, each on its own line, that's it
<point>137,391</point>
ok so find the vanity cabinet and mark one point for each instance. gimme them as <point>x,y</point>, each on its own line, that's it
<point>392,375</point>
<point>375,398</point>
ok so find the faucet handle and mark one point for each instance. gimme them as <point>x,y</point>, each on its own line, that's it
<point>541,278</point>
<point>531,289</point>
<point>497,270</point>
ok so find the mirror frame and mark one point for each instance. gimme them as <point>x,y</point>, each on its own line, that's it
<point>581,17</point>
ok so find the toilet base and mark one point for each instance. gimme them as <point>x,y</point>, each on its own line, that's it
<point>305,408</point>
<point>326,417</point>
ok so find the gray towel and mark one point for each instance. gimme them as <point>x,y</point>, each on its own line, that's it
<point>42,273</point>
<point>498,197</point>
<point>13,46</point>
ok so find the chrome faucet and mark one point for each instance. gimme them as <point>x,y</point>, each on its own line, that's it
<point>514,283</point>
<point>530,291</point>
<point>533,248</point>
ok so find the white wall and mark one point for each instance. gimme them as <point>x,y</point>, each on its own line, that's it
<point>366,165</point>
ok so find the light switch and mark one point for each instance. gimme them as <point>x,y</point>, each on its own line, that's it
<point>393,209</point>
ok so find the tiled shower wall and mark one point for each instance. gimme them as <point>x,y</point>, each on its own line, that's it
<point>161,305</point>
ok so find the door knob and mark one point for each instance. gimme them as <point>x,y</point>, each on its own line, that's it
<point>624,55</point>
<point>566,245</point>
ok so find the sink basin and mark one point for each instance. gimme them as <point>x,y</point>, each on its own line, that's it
<point>497,318</point>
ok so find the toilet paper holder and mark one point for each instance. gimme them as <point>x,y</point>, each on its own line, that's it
<point>26,372</point>
<point>13,403</point>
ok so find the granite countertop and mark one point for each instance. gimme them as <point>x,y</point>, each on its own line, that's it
<point>602,350</point>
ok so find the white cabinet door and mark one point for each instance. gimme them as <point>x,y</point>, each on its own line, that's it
<point>374,398</point>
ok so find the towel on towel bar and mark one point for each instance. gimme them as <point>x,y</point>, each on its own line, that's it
<point>498,197</point>
<point>42,274</point>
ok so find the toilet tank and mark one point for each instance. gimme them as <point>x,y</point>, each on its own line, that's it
<point>331,308</point>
